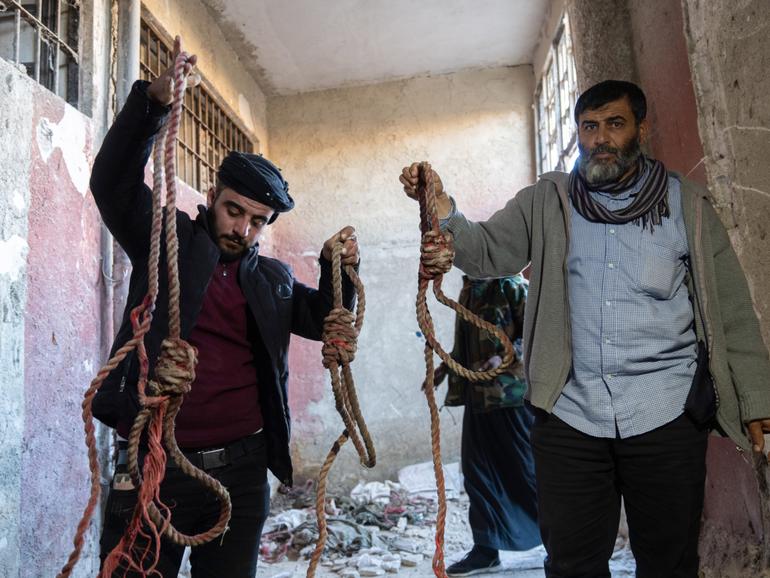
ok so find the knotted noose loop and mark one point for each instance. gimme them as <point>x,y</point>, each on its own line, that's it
<point>174,373</point>
<point>340,334</point>
<point>436,257</point>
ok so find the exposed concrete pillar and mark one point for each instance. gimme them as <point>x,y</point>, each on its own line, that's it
<point>601,31</point>
<point>126,51</point>
<point>129,25</point>
<point>729,56</point>
<point>16,120</point>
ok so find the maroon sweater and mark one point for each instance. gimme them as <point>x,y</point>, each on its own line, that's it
<point>223,404</point>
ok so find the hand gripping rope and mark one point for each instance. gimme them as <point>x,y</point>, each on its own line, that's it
<point>341,329</point>
<point>161,398</point>
<point>436,257</point>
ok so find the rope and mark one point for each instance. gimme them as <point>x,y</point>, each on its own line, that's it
<point>341,329</point>
<point>139,548</point>
<point>436,258</point>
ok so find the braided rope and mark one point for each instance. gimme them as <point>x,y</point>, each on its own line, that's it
<point>436,257</point>
<point>341,329</point>
<point>175,372</point>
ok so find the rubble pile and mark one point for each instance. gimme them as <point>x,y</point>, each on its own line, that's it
<point>376,530</point>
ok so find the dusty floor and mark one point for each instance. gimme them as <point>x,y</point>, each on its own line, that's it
<point>457,542</point>
<point>385,528</point>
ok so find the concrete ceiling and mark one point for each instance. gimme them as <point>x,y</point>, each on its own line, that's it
<point>293,46</point>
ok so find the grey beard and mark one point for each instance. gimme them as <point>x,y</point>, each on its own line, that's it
<point>597,173</point>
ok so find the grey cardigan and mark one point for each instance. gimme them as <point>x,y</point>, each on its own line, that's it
<point>533,229</point>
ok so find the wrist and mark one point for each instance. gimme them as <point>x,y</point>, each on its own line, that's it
<point>153,107</point>
<point>443,206</point>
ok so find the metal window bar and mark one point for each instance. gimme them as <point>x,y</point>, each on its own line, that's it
<point>207,132</point>
<point>50,42</point>
<point>555,98</point>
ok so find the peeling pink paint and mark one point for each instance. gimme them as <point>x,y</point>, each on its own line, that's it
<point>307,377</point>
<point>61,347</point>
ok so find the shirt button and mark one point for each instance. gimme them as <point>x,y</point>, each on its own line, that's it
<point>611,265</point>
<point>608,303</point>
<point>612,231</point>
<point>607,341</point>
<point>610,376</point>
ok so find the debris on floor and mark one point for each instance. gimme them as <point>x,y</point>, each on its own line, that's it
<point>386,528</point>
<point>374,530</point>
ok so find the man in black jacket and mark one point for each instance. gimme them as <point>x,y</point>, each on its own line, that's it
<point>238,308</point>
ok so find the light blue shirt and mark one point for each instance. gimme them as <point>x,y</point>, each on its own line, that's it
<point>633,343</point>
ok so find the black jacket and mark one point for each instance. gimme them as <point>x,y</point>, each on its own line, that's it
<point>278,303</point>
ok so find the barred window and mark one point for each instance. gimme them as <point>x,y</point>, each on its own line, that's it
<point>42,36</point>
<point>207,132</point>
<point>555,101</point>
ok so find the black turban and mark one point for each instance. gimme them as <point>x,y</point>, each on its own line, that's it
<point>255,177</point>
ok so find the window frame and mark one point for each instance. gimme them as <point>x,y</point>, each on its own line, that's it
<point>202,142</point>
<point>555,96</point>
<point>43,34</point>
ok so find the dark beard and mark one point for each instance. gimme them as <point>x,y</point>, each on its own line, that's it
<point>599,174</point>
<point>225,255</point>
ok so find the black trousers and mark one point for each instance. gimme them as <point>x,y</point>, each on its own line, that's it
<point>499,478</point>
<point>580,480</point>
<point>194,509</point>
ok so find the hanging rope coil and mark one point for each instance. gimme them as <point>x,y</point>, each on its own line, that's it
<point>161,398</point>
<point>436,258</point>
<point>340,334</point>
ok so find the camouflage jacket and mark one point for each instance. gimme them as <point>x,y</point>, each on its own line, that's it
<point>501,302</point>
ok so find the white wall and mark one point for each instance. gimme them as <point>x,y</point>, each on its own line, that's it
<point>342,151</point>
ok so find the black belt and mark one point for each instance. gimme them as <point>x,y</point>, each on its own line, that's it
<point>208,458</point>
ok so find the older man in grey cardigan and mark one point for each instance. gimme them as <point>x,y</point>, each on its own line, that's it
<point>634,286</point>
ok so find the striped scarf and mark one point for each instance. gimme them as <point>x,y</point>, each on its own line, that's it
<point>649,206</point>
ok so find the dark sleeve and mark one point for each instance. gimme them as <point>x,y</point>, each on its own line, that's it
<point>311,306</point>
<point>117,178</point>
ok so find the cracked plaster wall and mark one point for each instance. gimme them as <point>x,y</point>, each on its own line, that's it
<point>342,151</point>
<point>50,299</point>
<point>729,56</point>
<point>15,115</point>
<point>50,302</point>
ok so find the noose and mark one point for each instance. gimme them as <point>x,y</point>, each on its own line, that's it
<point>436,257</point>
<point>174,374</point>
<point>341,329</point>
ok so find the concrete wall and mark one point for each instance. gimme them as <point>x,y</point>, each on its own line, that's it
<point>217,61</point>
<point>342,152</point>
<point>662,69</point>
<point>50,344</point>
<point>15,112</point>
<point>50,300</point>
<point>729,58</point>
<point>61,337</point>
<point>603,41</point>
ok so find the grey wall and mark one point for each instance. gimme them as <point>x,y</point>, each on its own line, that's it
<point>15,121</point>
<point>603,48</point>
<point>729,57</point>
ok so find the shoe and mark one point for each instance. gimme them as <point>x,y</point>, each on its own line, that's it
<point>474,563</point>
